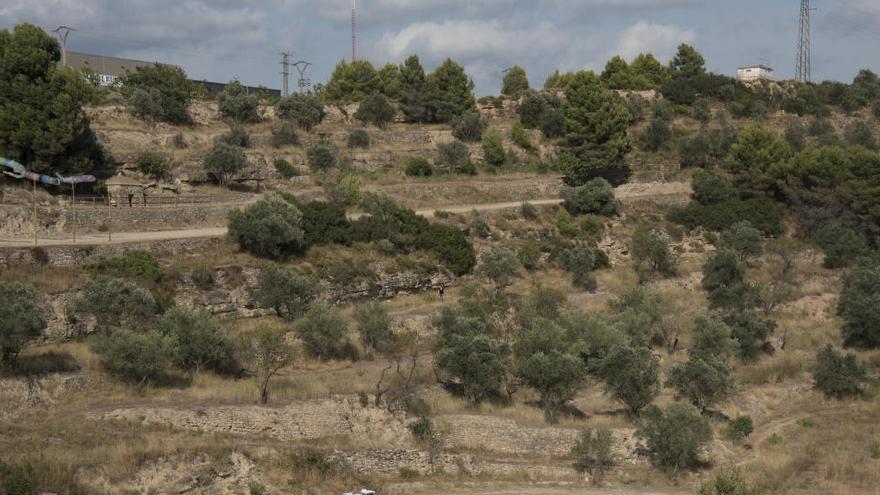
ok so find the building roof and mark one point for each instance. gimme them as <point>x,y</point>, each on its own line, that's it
<point>100,64</point>
<point>757,66</point>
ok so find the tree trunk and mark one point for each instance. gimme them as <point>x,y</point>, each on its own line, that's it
<point>264,391</point>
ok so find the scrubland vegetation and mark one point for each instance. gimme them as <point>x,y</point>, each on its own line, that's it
<point>727,345</point>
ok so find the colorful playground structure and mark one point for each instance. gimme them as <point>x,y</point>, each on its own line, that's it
<point>18,171</point>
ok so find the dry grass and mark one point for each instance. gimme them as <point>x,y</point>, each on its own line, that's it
<point>45,279</point>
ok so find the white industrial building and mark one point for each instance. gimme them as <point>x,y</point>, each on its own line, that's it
<point>755,73</point>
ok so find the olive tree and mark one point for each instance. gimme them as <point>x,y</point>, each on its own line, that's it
<point>322,330</point>
<point>632,376</point>
<point>674,436</point>
<point>859,305</point>
<point>114,302</point>
<point>704,380</point>
<point>223,161</point>
<point>595,197</point>
<point>374,325</point>
<point>744,239</point>
<point>196,340</point>
<point>651,252</point>
<point>500,266</point>
<point>838,375</point>
<point>287,292</point>
<point>269,228</point>
<point>304,110</point>
<point>235,103</point>
<point>21,320</point>
<point>268,352</point>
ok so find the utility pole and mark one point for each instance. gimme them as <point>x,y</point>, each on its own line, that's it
<point>803,69</point>
<point>353,30</point>
<point>301,67</point>
<point>285,71</point>
<point>63,32</point>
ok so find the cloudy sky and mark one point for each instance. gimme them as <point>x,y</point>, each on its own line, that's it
<point>222,39</point>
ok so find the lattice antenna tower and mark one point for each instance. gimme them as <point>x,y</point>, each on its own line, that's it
<point>353,30</point>
<point>803,70</point>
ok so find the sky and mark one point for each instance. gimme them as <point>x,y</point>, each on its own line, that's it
<point>219,40</point>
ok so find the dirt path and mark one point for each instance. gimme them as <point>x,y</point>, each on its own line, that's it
<point>167,235</point>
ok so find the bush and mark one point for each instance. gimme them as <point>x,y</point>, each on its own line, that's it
<point>743,239</point>
<point>237,136</point>
<point>422,429</point>
<point>675,436</point>
<point>552,123</point>
<point>284,135</point>
<point>651,252</point>
<point>270,228</point>
<point>592,451</point>
<point>468,127</point>
<point>705,380</point>
<point>795,136</point>
<point>657,136</point>
<point>467,169</point>
<point>860,133</point>
<point>515,81</point>
<point>322,331</point>
<point>565,223</point>
<point>289,293</point>
<point>223,161</point>
<point>842,245</point>
<point>493,149</point>
<point>555,375</point>
<point>324,223</point>
<point>477,361</point>
<point>374,325</point>
<point>285,169</point>
<point>134,265</point>
<point>450,245</point>
<point>632,376</point>
<point>196,341</point>
<point>453,155</point>
<point>376,109</point>
<point>520,136</point>
<point>114,302</point>
<point>740,428</point>
<point>21,320</point>
<point>529,256</point>
<point>359,138</point>
<point>137,357</point>
<point>580,261</point>
<point>419,167</point>
<point>763,213</point>
<point>322,156</point>
<point>203,277</point>
<point>304,110</point>
<point>528,211</point>
<point>837,375</point>
<point>751,333</point>
<point>596,197</point>
<point>711,188</point>
<point>724,274</point>
<point>858,305</point>
<point>729,482</point>
<point>153,164</point>
<point>235,103</point>
<point>531,109</point>
<point>160,92</point>
<point>500,266</point>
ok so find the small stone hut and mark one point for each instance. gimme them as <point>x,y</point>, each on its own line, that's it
<point>127,191</point>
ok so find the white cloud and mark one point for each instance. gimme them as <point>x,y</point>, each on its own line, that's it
<point>659,39</point>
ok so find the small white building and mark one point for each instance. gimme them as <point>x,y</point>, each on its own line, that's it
<point>755,73</point>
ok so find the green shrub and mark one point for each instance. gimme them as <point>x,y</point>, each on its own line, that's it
<point>203,277</point>
<point>657,136</point>
<point>304,110</point>
<point>376,109</point>
<point>711,188</point>
<point>860,133</point>
<point>285,135</point>
<point>552,123</point>
<point>740,428</point>
<point>153,164</point>
<point>324,223</point>
<point>743,239</point>
<point>728,482</point>
<point>160,92</point>
<point>467,169</point>
<point>520,136</point>
<point>515,81</point>
<point>419,167</point>
<point>114,302</point>
<point>580,261</point>
<point>453,155</point>
<point>493,149</point>
<point>596,197</point>
<point>842,245</point>
<point>237,136</point>
<point>565,223</point>
<point>359,138</point>
<point>21,320</point>
<point>285,169</point>
<point>530,111</point>
<point>235,103</point>
<point>529,256</point>
<point>858,304</point>
<point>137,357</point>
<point>751,333</point>
<point>705,380</point>
<point>675,436</point>
<point>478,362</point>
<point>763,213</point>
<point>270,228</point>
<point>837,375</point>
<point>500,266</point>
<point>322,330</point>
<point>450,245</point>
<point>651,252</point>
<point>796,136</point>
<point>134,265</point>
<point>289,293</point>
<point>422,429</point>
<point>322,156</point>
<point>17,479</point>
<point>632,376</point>
<point>592,451</point>
<point>468,127</point>
<point>528,211</point>
<point>374,325</point>
<point>223,161</point>
<point>196,341</point>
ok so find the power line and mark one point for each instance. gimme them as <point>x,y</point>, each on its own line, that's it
<point>63,32</point>
<point>353,30</point>
<point>285,72</point>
